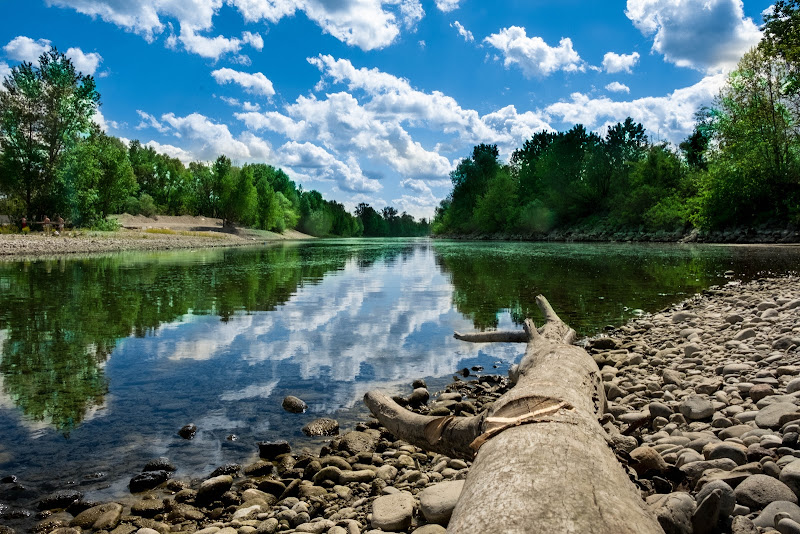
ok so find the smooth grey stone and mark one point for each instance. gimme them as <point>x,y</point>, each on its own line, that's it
<point>787,526</point>
<point>696,408</point>
<point>766,519</point>
<point>770,416</point>
<point>757,491</point>
<point>393,512</point>
<point>790,475</point>
<point>732,451</point>
<point>437,502</point>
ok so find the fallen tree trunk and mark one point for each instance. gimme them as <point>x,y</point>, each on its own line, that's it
<point>543,463</point>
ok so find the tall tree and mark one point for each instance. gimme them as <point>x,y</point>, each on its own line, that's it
<point>44,109</point>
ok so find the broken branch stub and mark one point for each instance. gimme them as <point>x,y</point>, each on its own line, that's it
<point>542,462</point>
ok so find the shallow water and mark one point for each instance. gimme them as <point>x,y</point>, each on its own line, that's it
<point>105,358</point>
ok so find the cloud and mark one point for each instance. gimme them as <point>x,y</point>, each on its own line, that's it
<point>23,48</point>
<point>447,6</point>
<point>367,24</point>
<point>534,56</point>
<point>216,47</point>
<point>613,63</point>
<point>84,63</point>
<point>463,32</point>
<point>706,35</point>
<point>670,117</point>
<point>247,106</point>
<point>616,87</point>
<point>144,16</point>
<point>393,98</point>
<point>149,121</point>
<point>318,164</point>
<point>209,139</point>
<point>256,83</point>
<point>5,70</point>
<point>102,122</point>
<point>172,151</point>
<point>253,39</point>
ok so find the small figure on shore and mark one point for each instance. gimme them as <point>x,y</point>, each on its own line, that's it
<point>60,222</point>
<point>23,222</point>
<point>46,224</point>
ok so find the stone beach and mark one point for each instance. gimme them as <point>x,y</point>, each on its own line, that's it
<point>703,412</point>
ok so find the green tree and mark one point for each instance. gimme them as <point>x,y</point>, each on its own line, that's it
<point>99,178</point>
<point>238,197</point>
<point>44,110</point>
<point>754,171</point>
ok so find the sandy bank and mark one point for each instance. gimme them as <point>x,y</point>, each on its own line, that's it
<point>140,233</point>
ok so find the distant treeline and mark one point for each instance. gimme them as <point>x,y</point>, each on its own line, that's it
<point>740,166</point>
<point>55,161</point>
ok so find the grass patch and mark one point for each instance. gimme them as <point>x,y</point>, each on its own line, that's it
<point>167,231</point>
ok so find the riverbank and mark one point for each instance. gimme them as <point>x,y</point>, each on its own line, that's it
<point>586,234</point>
<point>703,407</point>
<point>140,233</point>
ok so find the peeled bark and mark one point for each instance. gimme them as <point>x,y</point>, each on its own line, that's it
<point>543,463</point>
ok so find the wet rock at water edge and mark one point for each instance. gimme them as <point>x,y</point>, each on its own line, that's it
<point>59,499</point>
<point>188,431</point>
<point>227,469</point>
<point>159,464</point>
<point>148,480</point>
<point>269,450</point>
<point>322,427</point>
<point>293,404</point>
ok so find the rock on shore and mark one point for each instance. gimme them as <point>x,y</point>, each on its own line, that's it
<point>704,412</point>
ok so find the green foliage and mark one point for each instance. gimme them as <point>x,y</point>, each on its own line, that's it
<point>44,111</point>
<point>106,225</point>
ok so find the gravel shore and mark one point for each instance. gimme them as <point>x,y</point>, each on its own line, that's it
<point>703,412</point>
<point>16,246</point>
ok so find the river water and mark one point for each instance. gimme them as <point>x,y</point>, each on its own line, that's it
<point>104,358</point>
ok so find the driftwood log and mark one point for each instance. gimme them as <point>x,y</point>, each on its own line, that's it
<point>543,463</point>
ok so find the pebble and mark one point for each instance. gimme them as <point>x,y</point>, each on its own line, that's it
<point>393,512</point>
<point>757,491</point>
<point>438,501</point>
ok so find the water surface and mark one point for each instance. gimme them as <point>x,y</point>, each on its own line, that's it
<point>105,358</point>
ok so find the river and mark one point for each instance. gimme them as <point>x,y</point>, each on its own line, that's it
<point>104,358</point>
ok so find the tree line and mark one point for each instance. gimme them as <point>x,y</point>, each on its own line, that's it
<point>55,161</point>
<point>740,165</point>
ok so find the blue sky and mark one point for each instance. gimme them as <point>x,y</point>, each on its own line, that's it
<point>377,100</point>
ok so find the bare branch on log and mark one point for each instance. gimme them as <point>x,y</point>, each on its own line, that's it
<point>543,463</point>
<point>498,336</point>
<point>448,435</point>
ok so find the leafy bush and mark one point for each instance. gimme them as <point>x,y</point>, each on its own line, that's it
<point>106,225</point>
<point>147,205</point>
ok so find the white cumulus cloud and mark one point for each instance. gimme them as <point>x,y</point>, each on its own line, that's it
<point>367,24</point>
<point>614,63</point>
<point>533,55</point>
<point>84,63</point>
<point>669,117</point>
<point>707,35</point>
<point>255,83</point>
<point>616,87</point>
<point>172,151</point>
<point>23,48</point>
